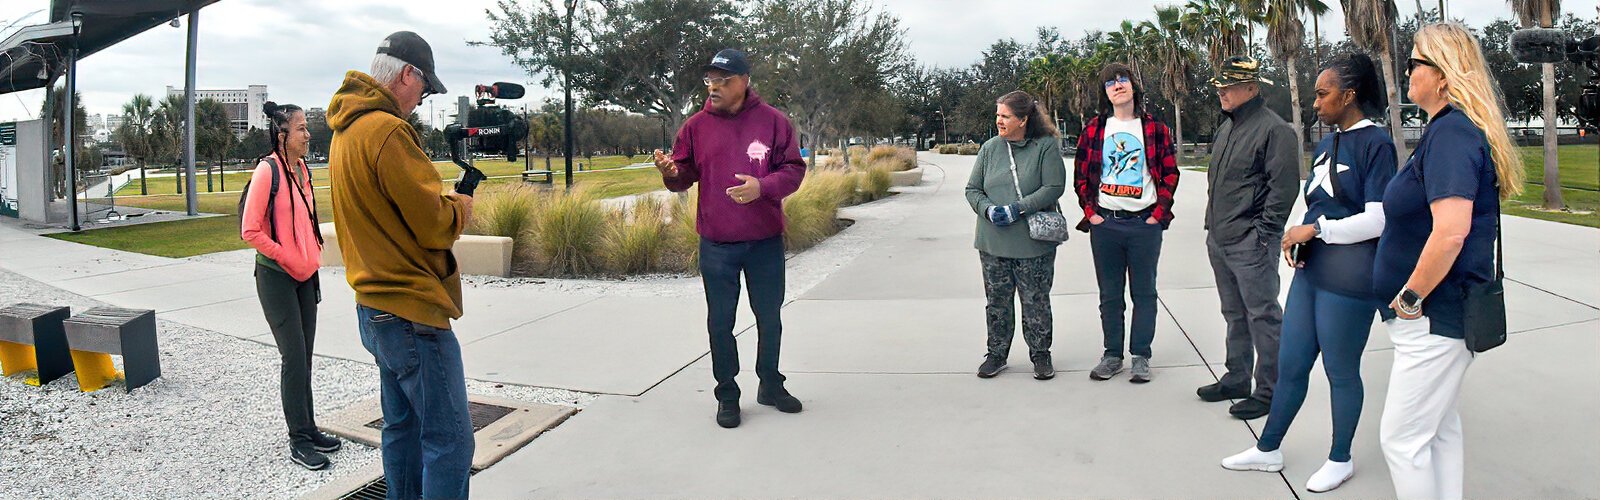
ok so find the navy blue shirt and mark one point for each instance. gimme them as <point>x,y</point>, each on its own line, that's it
<point>1451,161</point>
<point>1366,164</point>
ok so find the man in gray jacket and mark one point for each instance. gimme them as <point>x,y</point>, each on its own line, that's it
<point>1253,179</point>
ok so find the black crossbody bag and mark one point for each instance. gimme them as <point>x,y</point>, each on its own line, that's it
<point>1342,269</point>
<point>1484,304</point>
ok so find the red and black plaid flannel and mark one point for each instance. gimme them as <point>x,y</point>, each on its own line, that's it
<point>1158,151</point>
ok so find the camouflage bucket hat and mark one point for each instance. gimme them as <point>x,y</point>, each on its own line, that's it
<point>1237,70</point>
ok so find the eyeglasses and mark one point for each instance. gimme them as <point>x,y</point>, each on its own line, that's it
<point>1119,79</point>
<point>1412,63</point>
<point>427,88</point>
<point>718,81</point>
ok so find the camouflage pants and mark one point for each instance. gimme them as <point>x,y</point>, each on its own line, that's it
<point>1003,280</point>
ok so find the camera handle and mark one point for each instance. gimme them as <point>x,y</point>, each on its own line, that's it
<point>467,183</point>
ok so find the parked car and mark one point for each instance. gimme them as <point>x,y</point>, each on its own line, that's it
<point>1069,145</point>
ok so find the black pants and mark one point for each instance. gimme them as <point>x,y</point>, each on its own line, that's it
<point>1125,254</point>
<point>291,310</point>
<point>761,262</point>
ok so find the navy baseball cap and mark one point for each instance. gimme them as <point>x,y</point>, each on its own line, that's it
<point>730,60</point>
<point>411,48</point>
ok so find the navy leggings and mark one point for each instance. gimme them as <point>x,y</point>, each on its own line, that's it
<point>1336,326</point>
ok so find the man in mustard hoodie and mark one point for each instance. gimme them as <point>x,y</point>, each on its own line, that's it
<point>395,231</point>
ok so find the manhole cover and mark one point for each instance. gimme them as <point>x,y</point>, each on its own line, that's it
<point>482,414</point>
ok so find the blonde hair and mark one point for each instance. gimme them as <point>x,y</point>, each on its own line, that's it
<point>1474,92</point>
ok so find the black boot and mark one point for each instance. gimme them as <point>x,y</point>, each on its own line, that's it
<point>728,414</point>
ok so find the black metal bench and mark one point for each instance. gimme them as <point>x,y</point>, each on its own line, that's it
<point>130,333</point>
<point>36,328</point>
<point>539,176</point>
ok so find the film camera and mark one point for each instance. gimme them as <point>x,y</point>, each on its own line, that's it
<point>494,130</point>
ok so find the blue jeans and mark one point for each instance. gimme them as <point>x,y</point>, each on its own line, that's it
<point>427,433</point>
<point>1125,253</point>
<point>1319,321</point>
<point>761,262</point>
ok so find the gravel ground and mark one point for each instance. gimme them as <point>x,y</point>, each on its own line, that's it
<point>210,427</point>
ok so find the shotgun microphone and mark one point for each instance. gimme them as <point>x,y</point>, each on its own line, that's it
<point>1541,45</point>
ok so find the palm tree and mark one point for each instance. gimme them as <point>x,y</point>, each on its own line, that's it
<point>1128,43</point>
<point>135,133</point>
<point>1175,59</point>
<point>1542,12</point>
<point>1286,36</point>
<point>1048,76</point>
<point>1218,25</point>
<point>1370,24</point>
<point>167,131</point>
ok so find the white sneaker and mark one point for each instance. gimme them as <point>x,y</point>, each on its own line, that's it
<point>1254,459</point>
<point>1330,476</point>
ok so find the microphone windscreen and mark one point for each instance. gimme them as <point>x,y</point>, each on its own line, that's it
<point>505,90</point>
<point>1539,45</point>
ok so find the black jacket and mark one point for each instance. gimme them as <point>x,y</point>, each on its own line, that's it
<point>1254,176</point>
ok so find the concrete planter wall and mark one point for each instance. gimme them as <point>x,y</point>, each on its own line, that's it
<point>481,255</point>
<point>906,177</point>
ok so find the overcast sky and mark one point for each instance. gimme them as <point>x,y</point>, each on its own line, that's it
<point>300,49</point>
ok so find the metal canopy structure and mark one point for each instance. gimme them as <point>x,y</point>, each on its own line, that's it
<point>35,56</point>
<point>102,23</point>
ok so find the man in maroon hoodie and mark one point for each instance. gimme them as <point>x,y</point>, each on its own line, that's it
<point>744,155</point>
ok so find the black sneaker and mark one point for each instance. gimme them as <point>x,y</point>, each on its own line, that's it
<point>780,399</point>
<point>1218,392</point>
<point>325,443</point>
<point>728,414</point>
<point>991,366</point>
<point>308,457</point>
<point>1250,409</point>
<point>1043,369</point>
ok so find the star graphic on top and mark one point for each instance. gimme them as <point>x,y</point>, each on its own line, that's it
<point>1320,177</point>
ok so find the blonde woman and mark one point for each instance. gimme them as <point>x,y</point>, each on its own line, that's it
<point>1441,210</point>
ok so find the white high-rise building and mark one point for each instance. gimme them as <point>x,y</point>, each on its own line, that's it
<point>112,122</point>
<point>243,105</point>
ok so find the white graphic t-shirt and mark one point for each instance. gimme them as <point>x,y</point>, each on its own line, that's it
<point>1125,182</point>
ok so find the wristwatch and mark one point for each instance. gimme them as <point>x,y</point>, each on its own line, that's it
<point>1316,228</point>
<point>1409,301</point>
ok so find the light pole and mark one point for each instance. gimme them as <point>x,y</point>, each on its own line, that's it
<point>566,81</point>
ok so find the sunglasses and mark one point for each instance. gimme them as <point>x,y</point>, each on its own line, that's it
<point>1119,79</point>
<point>1412,63</point>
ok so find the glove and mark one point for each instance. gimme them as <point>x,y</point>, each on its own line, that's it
<point>1003,215</point>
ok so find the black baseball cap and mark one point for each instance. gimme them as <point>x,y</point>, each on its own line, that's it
<point>730,60</point>
<point>411,48</point>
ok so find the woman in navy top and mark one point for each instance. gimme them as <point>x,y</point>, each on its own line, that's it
<point>1441,208</point>
<point>1331,304</point>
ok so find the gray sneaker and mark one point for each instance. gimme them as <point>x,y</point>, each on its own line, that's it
<point>1109,365</point>
<point>1140,373</point>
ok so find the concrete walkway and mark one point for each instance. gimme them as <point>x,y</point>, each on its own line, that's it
<point>882,351</point>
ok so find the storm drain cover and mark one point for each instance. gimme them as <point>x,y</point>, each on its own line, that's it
<point>482,414</point>
<point>377,489</point>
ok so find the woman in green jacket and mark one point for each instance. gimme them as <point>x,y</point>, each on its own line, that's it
<point>1013,261</point>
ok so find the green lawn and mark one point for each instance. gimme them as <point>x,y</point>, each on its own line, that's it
<point>182,238</point>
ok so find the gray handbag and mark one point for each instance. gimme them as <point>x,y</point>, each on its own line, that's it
<point>1047,224</point>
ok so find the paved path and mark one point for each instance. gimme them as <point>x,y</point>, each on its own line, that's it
<point>882,350</point>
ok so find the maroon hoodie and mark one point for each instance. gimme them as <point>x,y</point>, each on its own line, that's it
<point>713,146</point>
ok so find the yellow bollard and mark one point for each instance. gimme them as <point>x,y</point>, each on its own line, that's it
<point>95,370</point>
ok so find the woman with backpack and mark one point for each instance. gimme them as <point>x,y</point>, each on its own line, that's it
<point>278,217</point>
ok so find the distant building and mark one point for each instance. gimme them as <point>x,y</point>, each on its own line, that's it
<point>112,122</point>
<point>243,105</point>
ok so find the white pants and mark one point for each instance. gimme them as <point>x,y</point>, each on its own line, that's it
<point>1421,430</point>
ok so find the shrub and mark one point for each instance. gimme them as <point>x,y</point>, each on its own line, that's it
<point>636,236</point>
<point>949,149</point>
<point>874,183</point>
<point>858,157</point>
<point>970,148</point>
<point>894,158</point>
<point>509,210</point>
<point>569,234</point>
<point>683,240</point>
<point>812,212</point>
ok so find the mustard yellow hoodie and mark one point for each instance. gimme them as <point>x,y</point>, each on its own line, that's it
<point>395,228</point>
